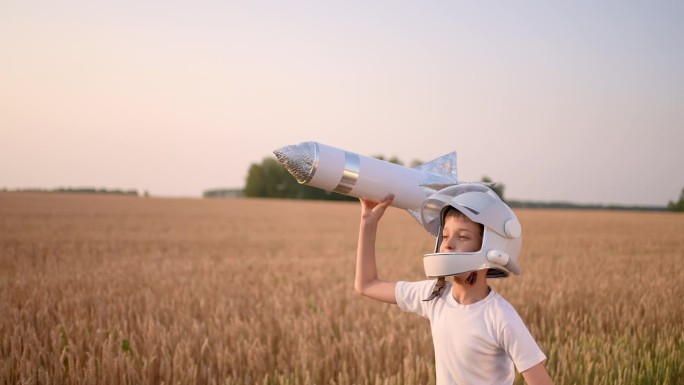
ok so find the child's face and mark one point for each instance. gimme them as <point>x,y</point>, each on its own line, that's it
<point>460,234</point>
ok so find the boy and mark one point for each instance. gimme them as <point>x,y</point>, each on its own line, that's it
<point>478,336</point>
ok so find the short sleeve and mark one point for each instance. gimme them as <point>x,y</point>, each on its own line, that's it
<point>410,296</point>
<point>519,343</point>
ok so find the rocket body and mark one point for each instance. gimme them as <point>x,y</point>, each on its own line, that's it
<point>333,169</point>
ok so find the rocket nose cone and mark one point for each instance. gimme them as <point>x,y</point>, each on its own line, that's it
<point>298,159</point>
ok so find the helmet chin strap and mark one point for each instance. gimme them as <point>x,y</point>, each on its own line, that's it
<point>472,278</point>
<point>441,281</point>
<point>439,285</point>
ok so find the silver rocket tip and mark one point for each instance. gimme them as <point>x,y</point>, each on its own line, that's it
<point>299,160</point>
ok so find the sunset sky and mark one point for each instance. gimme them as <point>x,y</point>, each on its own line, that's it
<point>578,101</point>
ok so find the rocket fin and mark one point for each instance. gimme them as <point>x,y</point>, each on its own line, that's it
<point>444,166</point>
<point>440,173</point>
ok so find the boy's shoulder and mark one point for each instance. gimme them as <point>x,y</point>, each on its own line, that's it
<point>420,286</point>
<point>410,295</point>
<point>501,311</point>
<point>499,300</point>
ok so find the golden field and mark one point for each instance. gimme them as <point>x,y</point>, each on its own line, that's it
<point>125,290</point>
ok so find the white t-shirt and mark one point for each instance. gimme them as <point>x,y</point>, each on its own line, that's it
<point>474,344</point>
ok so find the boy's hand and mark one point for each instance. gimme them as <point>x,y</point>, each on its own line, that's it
<point>372,211</point>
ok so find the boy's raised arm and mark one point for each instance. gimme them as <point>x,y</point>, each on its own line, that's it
<point>367,282</point>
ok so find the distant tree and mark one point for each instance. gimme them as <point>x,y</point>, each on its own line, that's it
<point>393,159</point>
<point>677,206</point>
<point>255,185</point>
<point>415,163</point>
<point>277,181</point>
<point>271,180</point>
<point>498,188</point>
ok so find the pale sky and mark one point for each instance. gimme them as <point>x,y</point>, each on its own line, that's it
<point>577,101</point>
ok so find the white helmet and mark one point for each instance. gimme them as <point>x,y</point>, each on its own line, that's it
<point>501,239</point>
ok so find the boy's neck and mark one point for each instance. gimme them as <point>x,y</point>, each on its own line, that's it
<point>468,295</point>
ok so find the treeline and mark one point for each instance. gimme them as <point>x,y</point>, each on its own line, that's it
<point>577,206</point>
<point>78,190</point>
<point>223,193</point>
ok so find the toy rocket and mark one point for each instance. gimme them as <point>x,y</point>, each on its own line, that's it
<point>333,169</point>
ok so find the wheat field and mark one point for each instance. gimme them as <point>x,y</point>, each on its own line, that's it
<point>125,290</point>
